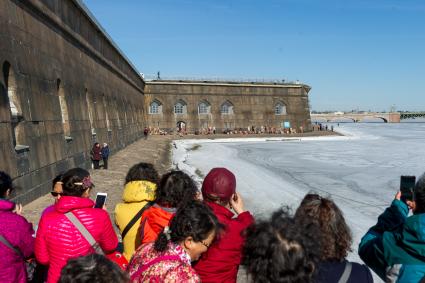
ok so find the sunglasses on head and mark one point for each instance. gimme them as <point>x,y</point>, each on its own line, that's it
<point>55,194</point>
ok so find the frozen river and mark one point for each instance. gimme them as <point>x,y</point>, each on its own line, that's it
<point>360,171</point>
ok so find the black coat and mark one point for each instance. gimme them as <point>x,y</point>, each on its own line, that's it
<point>331,272</point>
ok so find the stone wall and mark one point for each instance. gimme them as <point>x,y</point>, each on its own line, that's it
<point>64,84</point>
<point>226,105</point>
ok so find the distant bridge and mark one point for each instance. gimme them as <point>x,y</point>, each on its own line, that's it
<point>393,117</point>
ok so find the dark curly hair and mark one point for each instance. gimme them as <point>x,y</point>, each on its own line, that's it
<point>195,220</point>
<point>69,180</point>
<point>142,171</point>
<point>335,234</point>
<point>5,183</point>
<point>175,189</point>
<point>92,268</point>
<point>281,250</point>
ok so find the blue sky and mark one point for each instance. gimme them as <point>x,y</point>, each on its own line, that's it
<point>355,54</point>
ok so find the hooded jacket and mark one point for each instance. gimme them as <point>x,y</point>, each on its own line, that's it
<point>18,232</point>
<point>395,247</point>
<point>59,240</point>
<point>221,262</point>
<point>154,219</point>
<point>135,196</point>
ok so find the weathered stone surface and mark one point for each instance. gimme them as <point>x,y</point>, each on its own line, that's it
<point>52,51</point>
<point>64,85</point>
<point>253,104</point>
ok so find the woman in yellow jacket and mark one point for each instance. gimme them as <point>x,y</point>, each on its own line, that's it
<point>140,187</point>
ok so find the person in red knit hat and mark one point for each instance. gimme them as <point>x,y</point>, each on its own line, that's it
<point>221,262</point>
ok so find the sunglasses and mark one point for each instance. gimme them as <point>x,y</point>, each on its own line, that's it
<point>55,194</point>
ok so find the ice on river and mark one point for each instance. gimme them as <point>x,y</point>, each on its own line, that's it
<point>360,170</point>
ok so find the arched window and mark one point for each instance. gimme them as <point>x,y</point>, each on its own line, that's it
<point>90,112</point>
<point>106,109</point>
<point>180,107</point>
<point>204,107</point>
<point>155,107</point>
<point>14,104</point>
<point>226,108</point>
<point>64,109</point>
<point>280,108</point>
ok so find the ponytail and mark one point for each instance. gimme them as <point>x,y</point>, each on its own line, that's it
<point>161,242</point>
<point>194,220</point>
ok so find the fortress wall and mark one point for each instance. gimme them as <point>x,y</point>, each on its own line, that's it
<point>253,104</point>
<point>63,85</point>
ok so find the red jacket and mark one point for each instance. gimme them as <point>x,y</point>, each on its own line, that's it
<point>96,153</point>
<point>59,240</point>
<point>221,262</point>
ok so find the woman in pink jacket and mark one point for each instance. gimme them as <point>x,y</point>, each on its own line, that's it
<point>16,230</point>
<point>58,239</point>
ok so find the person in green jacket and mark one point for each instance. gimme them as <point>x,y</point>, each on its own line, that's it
<point>395,247</point>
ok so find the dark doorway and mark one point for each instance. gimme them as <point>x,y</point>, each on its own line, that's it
<point>181,126</point>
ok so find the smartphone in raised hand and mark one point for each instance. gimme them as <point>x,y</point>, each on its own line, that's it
<point>100,200</point>
<point>407,185</point>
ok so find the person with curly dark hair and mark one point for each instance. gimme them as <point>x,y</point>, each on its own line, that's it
<point>281,250</point>
<point>58,239</point>
<point>395,247</point>
<point>92,268</point>
<point>168,259</point>
<point>335,239</point>
<point>176,188</point>
<point>139,190</point>
<point>142,171</point>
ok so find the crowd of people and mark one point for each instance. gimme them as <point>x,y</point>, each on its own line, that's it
<point>172,232</point>
<point>250,130</point>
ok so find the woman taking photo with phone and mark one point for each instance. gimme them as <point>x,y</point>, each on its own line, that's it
<point>221,262</point>
<point>395,247</point>
<point>58,239</point>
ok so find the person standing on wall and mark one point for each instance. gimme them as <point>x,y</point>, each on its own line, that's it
<point>96,155</point>
<point>105,155</point>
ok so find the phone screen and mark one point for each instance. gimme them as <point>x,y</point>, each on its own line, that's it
<point>100,200</point>
<point>407,184</point>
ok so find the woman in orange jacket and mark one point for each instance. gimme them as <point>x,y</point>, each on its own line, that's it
<point>175,189</point>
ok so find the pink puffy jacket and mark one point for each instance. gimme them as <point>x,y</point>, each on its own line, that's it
<point>18,232</point>
<point>59,240</point>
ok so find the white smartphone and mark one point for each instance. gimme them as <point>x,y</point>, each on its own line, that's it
<point>100,200</point>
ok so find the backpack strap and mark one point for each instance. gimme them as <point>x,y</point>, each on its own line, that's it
<point>9,245</point>
<point>346,274</point>
<point>135,219</point>
<point>146,266</point>
<point>83,230</point>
